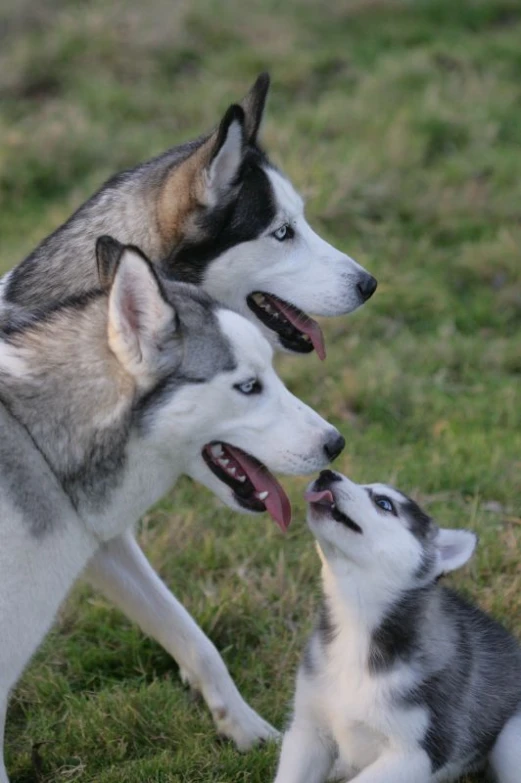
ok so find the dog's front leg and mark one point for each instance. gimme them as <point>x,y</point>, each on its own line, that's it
<point>306,756</point>
<point>122,572</point>
<point>395,767</point>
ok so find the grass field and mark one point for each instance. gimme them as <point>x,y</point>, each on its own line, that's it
<point>401,123</point>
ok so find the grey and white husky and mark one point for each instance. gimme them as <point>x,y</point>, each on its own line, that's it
<point>402,679</point>
<point>217,213</point>
<point>105,400</point>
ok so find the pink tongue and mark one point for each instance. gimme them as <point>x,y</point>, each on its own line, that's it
<point>277,503</point>
<point>304,324</point>
<point>318,497</point>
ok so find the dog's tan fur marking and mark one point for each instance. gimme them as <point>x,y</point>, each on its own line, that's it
<point>48,346</point>
<point>181,194</point>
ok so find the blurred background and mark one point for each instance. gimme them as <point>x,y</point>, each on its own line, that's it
<point>400,122</point>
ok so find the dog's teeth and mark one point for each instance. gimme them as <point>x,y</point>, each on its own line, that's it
<point>241,478</point>
<point>223,462</point>
<point>262,495</point>
<point>232,471</point>
<point>217,451</point>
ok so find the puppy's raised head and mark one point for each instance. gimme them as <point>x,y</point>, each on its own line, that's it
<point>381,535</point>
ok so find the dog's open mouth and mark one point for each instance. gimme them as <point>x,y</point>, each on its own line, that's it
<point>253,486</point>
<point>296,330</point>
<point>323,504</point>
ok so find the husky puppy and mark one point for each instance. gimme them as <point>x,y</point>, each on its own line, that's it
<point>215,212</point>
<point>105,399</point>
<point>402,678</point>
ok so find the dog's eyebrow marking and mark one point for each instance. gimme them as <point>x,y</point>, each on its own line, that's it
<point>420,523</point>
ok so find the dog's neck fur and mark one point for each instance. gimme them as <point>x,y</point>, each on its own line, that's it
<point>362,617</point>
<point>85,431</point>
<point>354,605</point>
<point>124,209</point>
<point>152,206</point>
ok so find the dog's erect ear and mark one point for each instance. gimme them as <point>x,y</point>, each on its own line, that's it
<point>227,153</point>
<point>455,548</point>
<point>139,315</point>
<point>108,253</point>
<point>254,104</point>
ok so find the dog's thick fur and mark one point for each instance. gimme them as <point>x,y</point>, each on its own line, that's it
<point>104,401</point>
<point>208,212</point>
<point>402,679</point>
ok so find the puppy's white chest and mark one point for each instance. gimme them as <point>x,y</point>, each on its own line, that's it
<point>354,709</point>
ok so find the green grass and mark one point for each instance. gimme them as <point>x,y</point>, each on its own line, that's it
<point>401,122</point>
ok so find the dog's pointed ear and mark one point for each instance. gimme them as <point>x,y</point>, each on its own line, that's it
<point>254,104</point>
<point>139,314</point>
<point>108,253</point>
<point>226,154</point>
<point>454,549</point>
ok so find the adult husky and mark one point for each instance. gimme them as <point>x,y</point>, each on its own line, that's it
<point>110,397</point>
<point>217,213</point>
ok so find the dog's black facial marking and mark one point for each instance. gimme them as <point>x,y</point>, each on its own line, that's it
<point>397,636</point>
<point>155,398</point>
<point>242,216</point>
<point>420,523</point>
<point>343,519</point>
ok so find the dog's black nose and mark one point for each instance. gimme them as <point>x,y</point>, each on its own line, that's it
<point>334,445</point>
<point>367,287</point>
<point>325,479</point>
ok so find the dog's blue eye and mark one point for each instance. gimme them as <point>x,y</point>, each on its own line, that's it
<point>385,503</point>
<point>284,232</point>
<point>252,386</point>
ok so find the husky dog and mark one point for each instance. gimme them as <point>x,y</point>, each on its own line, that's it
<point>214,212</point>
<point>402,678</point>
<point>217,213</point>
<point>105,399</point>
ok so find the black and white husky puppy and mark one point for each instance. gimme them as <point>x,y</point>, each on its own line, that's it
<point>402,679</point>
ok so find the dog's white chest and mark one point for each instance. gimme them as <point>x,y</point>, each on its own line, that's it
<point>363,713</point>
<point>353,708</point>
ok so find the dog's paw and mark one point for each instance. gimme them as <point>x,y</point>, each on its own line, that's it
<point>244,727</point>
<point>233,717</point>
